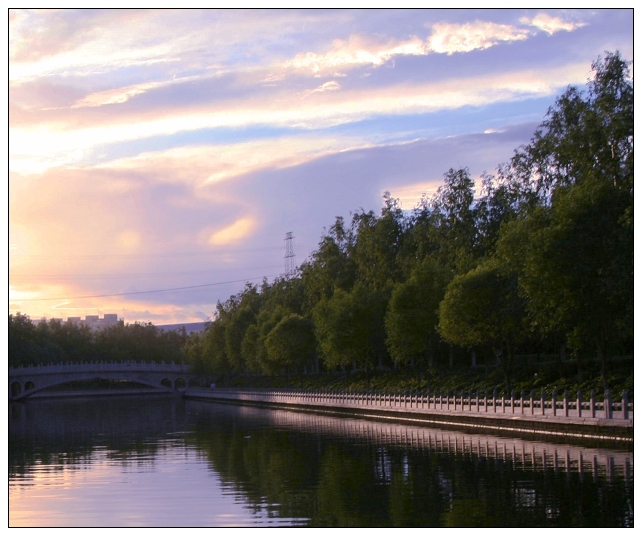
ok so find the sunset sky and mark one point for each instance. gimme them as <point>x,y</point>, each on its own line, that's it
<point>156,150</point>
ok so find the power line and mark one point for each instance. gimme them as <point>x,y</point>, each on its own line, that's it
<point>149,291</point>
<point>143,255</point>
<point>57,277</point>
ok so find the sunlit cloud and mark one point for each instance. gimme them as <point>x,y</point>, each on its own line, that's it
<point>202,165</point>
<point>445,38</point>
<point>550,24</point>
<point>328,86</point>
<point>37,149</point>
<point>357,50</point>
<point>410,195</point>
<point>233,233</point>
<point>479,35</point>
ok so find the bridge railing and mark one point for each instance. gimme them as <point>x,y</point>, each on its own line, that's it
<point>97,365</point>
<point>542,404</point>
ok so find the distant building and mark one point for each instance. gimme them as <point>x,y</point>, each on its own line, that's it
<point>94,322</point>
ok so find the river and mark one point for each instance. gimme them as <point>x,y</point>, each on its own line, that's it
<point>160,461</point>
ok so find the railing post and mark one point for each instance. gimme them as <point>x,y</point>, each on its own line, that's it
<point>494,400</point>
<point>608,408</point>
<point>512,401</point>
<point>625,404</point>
<point>579,402</point>
<point>543,402</point>
<point>521,401</point>
<point>477,400</point>
<point>532,401</point>
<point>554,402</point>
<point>565,403</point>
<point>592,404</point>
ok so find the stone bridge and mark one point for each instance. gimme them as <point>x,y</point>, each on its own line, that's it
<point>170,377</point>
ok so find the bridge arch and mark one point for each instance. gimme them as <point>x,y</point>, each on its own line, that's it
<point>25,381</point>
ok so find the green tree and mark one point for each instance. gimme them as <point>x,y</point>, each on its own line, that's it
<point>330,266</point>
<point>577,247</point>
<point>291,344</point>
<point>452,221</point>
<point>350,328</point>
<point>584,135</point>
<point>483,308</point>
<point>378,246</point>
<point>413,315</point>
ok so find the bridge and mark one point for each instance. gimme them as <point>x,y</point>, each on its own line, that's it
<point>169,377</point>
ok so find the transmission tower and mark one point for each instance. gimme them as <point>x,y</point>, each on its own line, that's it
<point>290,259</point>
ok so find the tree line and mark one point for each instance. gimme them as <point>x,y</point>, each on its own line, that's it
<point>55,341</point>
<point>541,260</point>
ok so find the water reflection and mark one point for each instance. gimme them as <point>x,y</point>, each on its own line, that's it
<point>159,461</point>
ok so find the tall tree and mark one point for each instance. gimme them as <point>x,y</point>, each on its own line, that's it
<point>413,315</point>
<point>483,308</point>
<point>578,258</point>
<point>349,327</point>
<point>291,345</point>
<point>378,246</point>
<point>330,266</point>
<point>452,218</point>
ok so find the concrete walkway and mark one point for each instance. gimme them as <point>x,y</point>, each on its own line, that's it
<point>410,410</point>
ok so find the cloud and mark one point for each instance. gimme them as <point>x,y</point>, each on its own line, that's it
<point>233,233</point>
<point>328,86</point>
<point>199,166</point>
<point>409,195</point>
<point>356,51</point>
<point>551,25</point>
<point>40,147</point>
<point>447,38</point>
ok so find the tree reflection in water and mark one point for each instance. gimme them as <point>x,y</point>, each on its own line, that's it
<point>326,471</point>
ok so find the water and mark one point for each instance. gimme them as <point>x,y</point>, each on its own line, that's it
<point>158,461</point>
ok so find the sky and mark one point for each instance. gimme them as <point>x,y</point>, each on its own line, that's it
<point>157,159</point>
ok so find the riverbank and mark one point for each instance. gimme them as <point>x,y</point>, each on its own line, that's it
<point>518,417</point>
<point>545,376</point>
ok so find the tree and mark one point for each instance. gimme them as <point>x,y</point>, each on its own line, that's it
<point>412,317</point>
<point>253,347</point>
<point>378,246</point>
<point>452,218</point>
<point>350,328</point>
<point>330,266</point>
<point>579,269</point>
<point>577,263</point>
<point>584,136</point>
<point>483,308</point>
<point>291,344</point>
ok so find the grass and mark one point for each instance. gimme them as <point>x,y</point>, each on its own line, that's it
<point>541,377</point>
